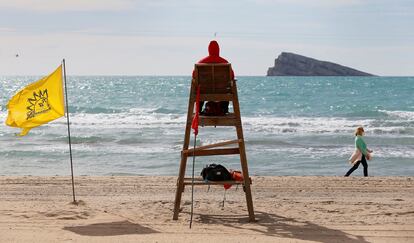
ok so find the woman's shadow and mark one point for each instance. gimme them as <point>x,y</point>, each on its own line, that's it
<point>278,226</point>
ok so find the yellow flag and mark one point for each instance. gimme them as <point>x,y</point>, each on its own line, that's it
<point>38,103</point>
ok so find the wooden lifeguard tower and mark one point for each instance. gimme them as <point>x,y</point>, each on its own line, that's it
<point>216,84</point>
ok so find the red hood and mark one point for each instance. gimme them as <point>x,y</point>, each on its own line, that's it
<point>214,56</point>
<point>214,49</point>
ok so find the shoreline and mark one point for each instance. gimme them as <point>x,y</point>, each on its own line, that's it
<point>139,209</point>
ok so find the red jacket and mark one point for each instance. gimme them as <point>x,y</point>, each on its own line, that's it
<point>214,56</point>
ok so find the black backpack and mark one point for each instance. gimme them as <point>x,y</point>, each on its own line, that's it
<point>215,172</point>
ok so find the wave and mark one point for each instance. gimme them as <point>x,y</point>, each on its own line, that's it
<point>146,120</point>
<point>93,110</point>
<point>366,113</point>
<point>138,118</point>
<point>167,111</point>
<point>406,115</point>
<point>81,139</point>
<point>323,125</point>
<point>320,152</point>
<point>169,151</point>
<point>333,128</point>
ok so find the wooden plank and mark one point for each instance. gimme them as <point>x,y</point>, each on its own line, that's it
<point>214,79</point>
<point>216,97</point>
<point>200,180</point>
<point>203,183</point>
<point>228,116</point>
<point>209,152</point>
<point>209,146</point>
<point>218,121</point>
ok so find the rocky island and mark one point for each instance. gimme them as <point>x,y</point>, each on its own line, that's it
<point>291,64</point>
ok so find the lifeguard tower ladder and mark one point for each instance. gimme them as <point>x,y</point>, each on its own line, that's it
<point>216,84</point>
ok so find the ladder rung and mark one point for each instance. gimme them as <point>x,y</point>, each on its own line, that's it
<point>208,152</point>
<point>227,120</point>
<point>199,181</point>
<point>214,145</point>
<point>227,116</point>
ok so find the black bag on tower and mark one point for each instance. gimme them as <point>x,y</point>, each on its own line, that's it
<point>215,172</point>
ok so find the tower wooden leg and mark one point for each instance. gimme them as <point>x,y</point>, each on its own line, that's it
<point>180,186</point>
<point>183,163</point>
<point>246,177</point>
<point>243,159</point>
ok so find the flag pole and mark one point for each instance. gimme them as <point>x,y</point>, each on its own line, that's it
<point>70,143</point>
<point>194,125</point>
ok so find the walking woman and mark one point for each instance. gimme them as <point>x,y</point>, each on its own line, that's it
<point>361,154</point>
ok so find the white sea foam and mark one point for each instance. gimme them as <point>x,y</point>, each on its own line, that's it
<point>101,148</point>
<point>139,119</point>
<point>340,151</point>
<point>148,118</point>
<point>406,115</point>
<point>317,125</point>
<point>3,115</point>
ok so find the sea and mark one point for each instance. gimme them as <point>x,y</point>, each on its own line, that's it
<point>134,125</point>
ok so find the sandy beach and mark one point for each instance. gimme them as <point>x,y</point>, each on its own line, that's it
<point>139,209</point>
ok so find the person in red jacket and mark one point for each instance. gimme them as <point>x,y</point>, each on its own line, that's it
<point>214,57</point>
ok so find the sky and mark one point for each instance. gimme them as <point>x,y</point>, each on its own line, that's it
<point>166,37</point>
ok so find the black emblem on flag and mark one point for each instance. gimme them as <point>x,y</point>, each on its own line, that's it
<point>38,104</point>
